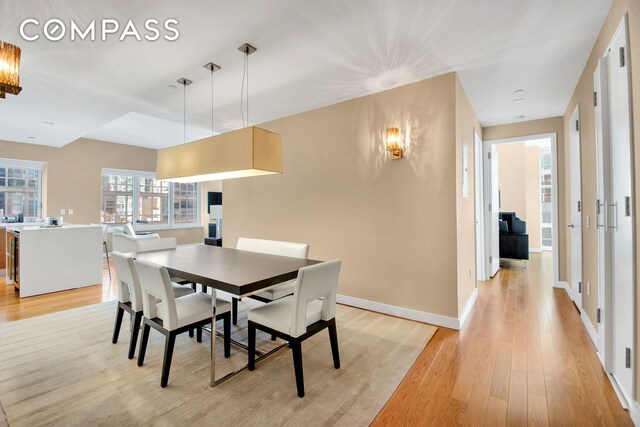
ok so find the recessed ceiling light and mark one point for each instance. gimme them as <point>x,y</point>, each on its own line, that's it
<point>520,117</point>
<point>173,87</point>
<point>519,100</point>
<point>519,91</point>
<point>31,137</point>
<point>47,122</point>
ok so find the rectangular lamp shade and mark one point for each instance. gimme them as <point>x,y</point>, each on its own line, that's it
<point>242,153</point>
<point>9,69</point>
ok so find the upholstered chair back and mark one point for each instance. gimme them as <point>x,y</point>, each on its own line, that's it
<point>274,247</point>
<point>156,244</point>
<point>128,284</point>
<point>316,281</point>
<point>156,284</point>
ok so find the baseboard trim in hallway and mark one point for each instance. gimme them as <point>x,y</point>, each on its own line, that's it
<point>407,313</point>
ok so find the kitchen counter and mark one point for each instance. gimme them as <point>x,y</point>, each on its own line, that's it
<point>52,259</point>
<point>4,225</point>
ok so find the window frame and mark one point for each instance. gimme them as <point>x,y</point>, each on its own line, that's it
<point>7,164</point>
<point>171,225</point>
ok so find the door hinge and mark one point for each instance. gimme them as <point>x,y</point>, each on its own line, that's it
<point>490,207</point>
<point>579,206</point>
<point>622,59</point>
<point>627,206</point>
<point>595,99</point>
<point>598,316</point>
<point>489,155</point>
<point>627,363</point>
<point>579,287</point>
<point>577,126</point>
<point>490,260</point>
<point>597,206</point>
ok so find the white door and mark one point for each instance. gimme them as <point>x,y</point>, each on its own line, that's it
<point>477,150</point>
<point>620,213</point>
<point>576,207</point>
<point>603,195</point>
<point>492,208</point>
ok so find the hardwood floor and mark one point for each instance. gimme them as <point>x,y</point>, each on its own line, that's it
<point>523,357</point>
<point>13,308</point>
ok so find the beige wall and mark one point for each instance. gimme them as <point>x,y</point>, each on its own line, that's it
<point>391,222</point>
<point>537,127</point>
<point>466,123</point>
<point>583,96</point>
<point>519,183</point>
<point>73,176</point>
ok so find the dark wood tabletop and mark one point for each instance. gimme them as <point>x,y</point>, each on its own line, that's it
<point>230,270</point>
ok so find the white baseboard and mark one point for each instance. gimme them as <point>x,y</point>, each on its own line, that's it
<point>468,307</point>
<point>590,329</point>
<point>407,313</point>
<point>536,250</point>
<point>634,412</point>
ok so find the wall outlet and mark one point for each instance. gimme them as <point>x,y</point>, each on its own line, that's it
<point>63,212</point>
<point>588,288</point>
<point>70,211</point>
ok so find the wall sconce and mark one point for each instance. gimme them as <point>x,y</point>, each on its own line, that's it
<point>393,143</point>
<point>9,69</point>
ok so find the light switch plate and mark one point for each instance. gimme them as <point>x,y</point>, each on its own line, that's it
<point>63,212</point>
<point>70,211</point>
<point>588,221</point>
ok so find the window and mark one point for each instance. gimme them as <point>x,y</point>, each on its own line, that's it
<point>21,188</point>
<point>137,197</point>
<point>545,197</point>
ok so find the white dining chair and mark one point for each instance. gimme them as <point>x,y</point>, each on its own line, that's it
<point>272,247</point>
<point>310,309</point>
<point>130,297</point>
<point>173,316</point>
<point>161,244</point>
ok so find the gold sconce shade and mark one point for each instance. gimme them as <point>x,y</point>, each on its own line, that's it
<point>242,153</point>
<point>393,143</point>
<point>9,69</point>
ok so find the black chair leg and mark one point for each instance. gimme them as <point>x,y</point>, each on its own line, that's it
<point>134,334</point>
<point>333,337</point>
<point>193,286</point>
<point>199,334</point>
<point>251,350</point>
<point>143,344</point>
<point>226,319</point>
<point>191,333</point>
<point>204,289</point>
<point>116,328</point>
<point>296,350</point>
<point>234,310</point>
<point>273,337</point>
<point>168,354</point>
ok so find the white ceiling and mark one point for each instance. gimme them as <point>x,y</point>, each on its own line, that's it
<point>310,54</point>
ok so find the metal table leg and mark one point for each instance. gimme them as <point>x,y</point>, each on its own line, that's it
<point>213,338</point>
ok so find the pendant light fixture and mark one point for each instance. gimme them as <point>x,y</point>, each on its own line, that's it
<point>250,151</point>
<point>184,82</point>
<point>9,69</point>
<point>212,68</point>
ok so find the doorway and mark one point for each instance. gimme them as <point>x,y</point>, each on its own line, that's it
<point>520,202</point>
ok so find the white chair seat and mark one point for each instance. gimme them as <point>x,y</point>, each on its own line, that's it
<point>279,291</point>
<point>181,290</point>
<point>277,315</point>
<point>194,308</point>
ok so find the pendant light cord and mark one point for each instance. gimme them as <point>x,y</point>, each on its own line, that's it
<point>245,78</point>
<point>212,132</point>
<point>244,72</point>
<point>184,114</point>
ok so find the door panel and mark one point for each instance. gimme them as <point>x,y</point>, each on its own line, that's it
<point>576,207</point>
<point>493,207</point>
<point>620,220</point>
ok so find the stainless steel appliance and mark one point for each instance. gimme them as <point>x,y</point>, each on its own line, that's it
<point>13,265</point>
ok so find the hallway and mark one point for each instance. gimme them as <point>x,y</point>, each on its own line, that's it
<point>523,358</point>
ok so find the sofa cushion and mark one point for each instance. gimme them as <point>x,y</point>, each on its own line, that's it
<point>128,230</point>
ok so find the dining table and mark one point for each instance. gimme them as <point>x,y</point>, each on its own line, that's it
<point>237,272</point>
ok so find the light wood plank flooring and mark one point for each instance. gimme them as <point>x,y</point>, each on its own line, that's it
<point>523,358</point>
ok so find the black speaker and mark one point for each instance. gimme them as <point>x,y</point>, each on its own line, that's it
<point>213,198</point>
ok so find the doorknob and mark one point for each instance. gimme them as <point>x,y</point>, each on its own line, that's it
<point>570,226</point>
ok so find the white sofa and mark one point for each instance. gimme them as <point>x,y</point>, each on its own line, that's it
<point>125,243</point>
